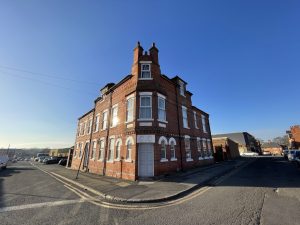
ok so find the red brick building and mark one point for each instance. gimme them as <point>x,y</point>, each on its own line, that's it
<point>143,126</point>
<point>294,137</point>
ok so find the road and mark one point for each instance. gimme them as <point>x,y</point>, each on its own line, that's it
<point>265,192</point>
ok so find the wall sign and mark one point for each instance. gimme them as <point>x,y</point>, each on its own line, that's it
<point>146,139</point>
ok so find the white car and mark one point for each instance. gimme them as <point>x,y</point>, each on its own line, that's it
<point>250,154</point>
<point>3,161</point>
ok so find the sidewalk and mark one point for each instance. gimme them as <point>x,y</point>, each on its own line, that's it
<point>174,186</point>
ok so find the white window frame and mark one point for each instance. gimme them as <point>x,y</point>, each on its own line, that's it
<point>104,120</point>
<point>172,140</point>
<point>111,149</point>
<point>130,111</point>
<point>182,88</point>
<point>163,110</point>
<point>188,148</point>
<point>204,147</point>
<point>195,120</point>
<point>81,129</point>
<point>97,123</point>
<point>163,140</point>
<point>80,149</point>
<point>118,151</point>
<point>203,118</point>
<point>85,128</point>
<point>101,150</point>
<point>145,71</point>
<point>94,149</point>
<point>142,95</point>
<point>90,126</point>
<point>199,148</point>
<point>129,151</point>
<point>78,130</point>
<point>209,148</point>
<point>114,116</point>
<point>185,119</point>
<point>75,150</point>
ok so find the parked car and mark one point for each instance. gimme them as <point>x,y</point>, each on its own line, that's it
<point>53,160</point>
<point>267,153</point>
<point>3,161</point>
<point>46,159</point>
<point>249,154</point>
<point>292,155</point>
<point>285,153</point>
<point>63,162</point>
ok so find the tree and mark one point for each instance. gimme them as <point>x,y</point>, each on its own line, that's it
<point>284,140</point>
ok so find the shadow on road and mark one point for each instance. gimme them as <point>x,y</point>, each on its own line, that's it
<point>267,172</point>
<point>4,174</point>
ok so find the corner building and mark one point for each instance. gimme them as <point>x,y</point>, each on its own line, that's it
<point>143,126</point>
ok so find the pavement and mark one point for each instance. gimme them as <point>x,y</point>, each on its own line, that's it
<point>168,188</point>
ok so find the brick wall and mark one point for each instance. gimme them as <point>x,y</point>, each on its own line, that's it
<point>173,128</point>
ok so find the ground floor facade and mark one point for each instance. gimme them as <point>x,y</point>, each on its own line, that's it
<point>134,156</point>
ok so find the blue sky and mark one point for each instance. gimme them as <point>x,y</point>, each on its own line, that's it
<point>240,58</point>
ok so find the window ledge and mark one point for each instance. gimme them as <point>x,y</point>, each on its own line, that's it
<point>117,160</point>
<point>127,122</point>
<point>174,159</point>
<point>162,121</point>
<point>164,160</point>
<point>200,158</point>
<point>145,119</point>
<point>100,160</point>
<point>146,78</point>
<point>186,128</point>
<point>110,161</point>
<point>129,161</point>
<point>189,160</point>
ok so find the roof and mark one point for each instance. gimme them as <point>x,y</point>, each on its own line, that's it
<point>237,137</point>
<point>86,113</point>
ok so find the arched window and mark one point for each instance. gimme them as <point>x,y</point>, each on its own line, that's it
<point>163,153</point>
<point>128,150</point>
<point>204,146</point>
<point>111,149</point>
<point>101,149</point>
<point>188,151</point>
<point>118,149</point>
<point>172,148</point>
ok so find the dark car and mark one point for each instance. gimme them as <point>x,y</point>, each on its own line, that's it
<point>53,160</point>
<point>63,162</point>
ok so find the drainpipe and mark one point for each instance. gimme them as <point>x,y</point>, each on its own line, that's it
<point>179,133</point>
<point>107,136</point>
<point>88,162</point>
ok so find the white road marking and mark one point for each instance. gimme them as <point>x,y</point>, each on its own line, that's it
<point>39,205</point>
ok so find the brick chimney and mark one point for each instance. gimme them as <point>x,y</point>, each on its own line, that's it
<point>140,56</point>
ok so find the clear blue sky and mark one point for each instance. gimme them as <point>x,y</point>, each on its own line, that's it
<point>240,58</point>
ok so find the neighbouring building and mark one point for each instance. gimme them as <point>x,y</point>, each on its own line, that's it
<point>272,147</point>
<point>246,141</point>
<point>225,149</point>
<point>59,152</point>
<point>143,126</point>
<point>294,137</point>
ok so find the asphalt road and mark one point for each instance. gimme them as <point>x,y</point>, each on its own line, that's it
<point>265,192</point>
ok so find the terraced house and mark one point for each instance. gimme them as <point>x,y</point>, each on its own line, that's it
<point>143,126</point>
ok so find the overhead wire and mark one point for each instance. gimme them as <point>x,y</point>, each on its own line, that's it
<point>48,75</point>
<point>45,82</point>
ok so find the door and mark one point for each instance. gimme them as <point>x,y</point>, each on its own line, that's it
<point>86,155</point>
<point>146,160</point>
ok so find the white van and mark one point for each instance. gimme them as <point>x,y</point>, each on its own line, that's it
<point>3,161</point>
